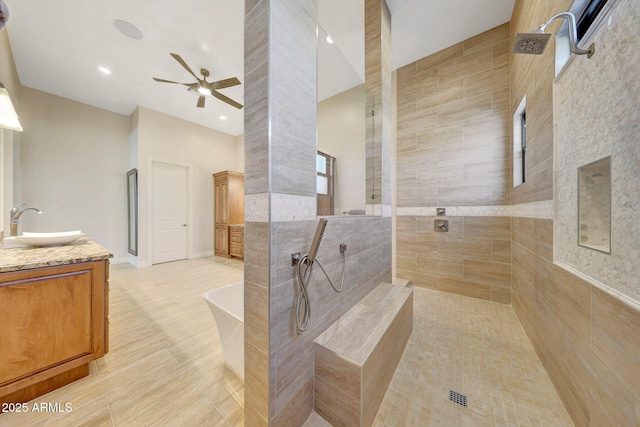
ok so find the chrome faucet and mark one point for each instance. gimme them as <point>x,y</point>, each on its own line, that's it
<point>14,217</point>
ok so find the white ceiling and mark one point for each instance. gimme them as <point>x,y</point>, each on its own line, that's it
<point>422,27</point>
<point>57,47</point>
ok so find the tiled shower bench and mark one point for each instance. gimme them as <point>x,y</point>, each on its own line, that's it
<point>355,358</point>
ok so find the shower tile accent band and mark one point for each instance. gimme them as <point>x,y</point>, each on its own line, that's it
<point>291,207</point>
<point>542,209</point>
<point>283,207</point>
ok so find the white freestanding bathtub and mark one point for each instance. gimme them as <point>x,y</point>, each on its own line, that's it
<point>227,305</point>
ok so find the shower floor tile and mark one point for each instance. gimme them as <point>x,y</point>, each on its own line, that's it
<point>478,349</point>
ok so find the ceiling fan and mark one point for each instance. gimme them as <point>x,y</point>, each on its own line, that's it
<point>203,87</point>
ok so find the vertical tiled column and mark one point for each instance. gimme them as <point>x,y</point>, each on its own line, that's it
<point>257,165</point>
<point>378,82</point>
<point>280,150</point>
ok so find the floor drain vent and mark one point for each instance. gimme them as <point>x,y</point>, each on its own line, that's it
<point>458,398</point>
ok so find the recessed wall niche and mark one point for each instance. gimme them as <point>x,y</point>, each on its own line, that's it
<point>594,205</point>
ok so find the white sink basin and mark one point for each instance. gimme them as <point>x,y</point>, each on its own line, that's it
<point>44,239</point>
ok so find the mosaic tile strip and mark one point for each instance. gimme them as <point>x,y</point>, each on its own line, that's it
<point>256,207</point>
<point>290,207</point>
<point>542,209</point>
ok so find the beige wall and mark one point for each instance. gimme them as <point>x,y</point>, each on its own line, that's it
<point>587,338</point>
<point>206,151</point>
<point>453,150</point>
<point>73,161</point>
<point>240,153</point>
<point>341,134</point>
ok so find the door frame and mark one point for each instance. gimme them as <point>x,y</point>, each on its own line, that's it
<point>150,206</point>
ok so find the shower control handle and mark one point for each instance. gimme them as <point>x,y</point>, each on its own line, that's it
<point>441,225</point>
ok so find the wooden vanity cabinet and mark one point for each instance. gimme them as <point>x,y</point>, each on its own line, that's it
<point>236,241</point>
<point>53,322</point>
<point>228,203</point>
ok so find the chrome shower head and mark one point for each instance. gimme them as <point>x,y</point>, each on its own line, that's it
<point>532,43</point>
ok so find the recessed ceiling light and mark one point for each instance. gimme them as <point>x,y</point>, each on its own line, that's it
<point>329,40</point>
<point>105,70</point>
<point>222,117</point>
<point>127,29</point>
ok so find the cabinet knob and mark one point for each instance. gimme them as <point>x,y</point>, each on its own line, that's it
<point>184,225</point>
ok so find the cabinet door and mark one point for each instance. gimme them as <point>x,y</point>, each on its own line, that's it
<point>236,239</point>
<point>221,240</point>
<point>221,209</point>
<point>44,321</point>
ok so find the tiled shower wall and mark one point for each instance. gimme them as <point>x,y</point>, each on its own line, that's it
<point>587,338</point>
<point>453,150</point>
<point>606,123</point>
<point>280,218</point>
<point>533,75</point>
<point>473,258</point>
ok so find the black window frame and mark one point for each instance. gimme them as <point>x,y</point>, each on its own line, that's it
<point>588,16</point>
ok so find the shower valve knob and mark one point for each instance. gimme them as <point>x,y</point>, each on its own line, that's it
<point>441,225</point>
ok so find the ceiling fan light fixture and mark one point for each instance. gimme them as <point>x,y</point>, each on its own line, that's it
<point>204,91</point>
<point>204,87</point>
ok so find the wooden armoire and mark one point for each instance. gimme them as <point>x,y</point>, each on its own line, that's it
<point>228,215</point>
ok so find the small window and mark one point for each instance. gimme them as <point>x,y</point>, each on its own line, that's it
<point>587,13</point>
<point>588,17</point>
<point>324,172</point>
<point>321,163</point>
<point>325,169</point>
<point>520,143</point>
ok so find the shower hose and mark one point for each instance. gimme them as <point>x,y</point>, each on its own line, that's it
<point>303,305</point>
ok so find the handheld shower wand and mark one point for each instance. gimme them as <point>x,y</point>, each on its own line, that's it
<point>306,262</point>
<point>317,238</point>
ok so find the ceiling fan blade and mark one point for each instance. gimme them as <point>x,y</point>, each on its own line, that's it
<point>184,64</point>
<point>226,99</point>
<point>221,84</point>
<point>168,81</point>
<point>201,101</point>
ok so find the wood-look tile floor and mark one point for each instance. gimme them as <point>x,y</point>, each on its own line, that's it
<point>164,365</point>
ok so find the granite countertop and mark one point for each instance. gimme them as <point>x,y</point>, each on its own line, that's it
<point>82,250</point>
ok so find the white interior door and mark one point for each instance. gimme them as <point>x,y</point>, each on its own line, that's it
<point>169,212</point>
